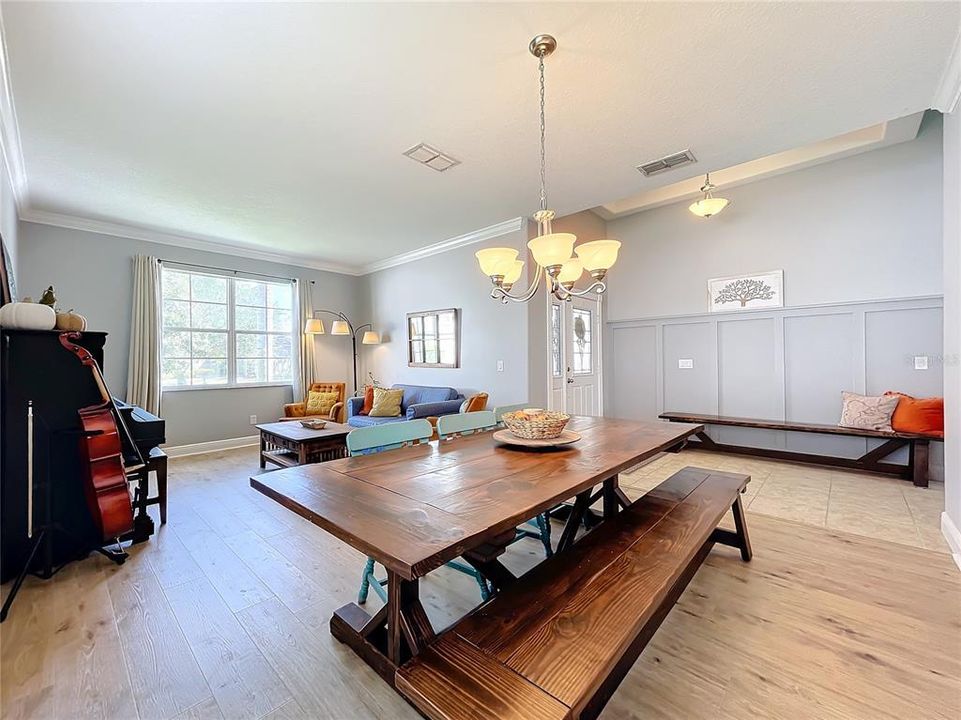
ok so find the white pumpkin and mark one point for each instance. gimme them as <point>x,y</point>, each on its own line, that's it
<point>27,316</point>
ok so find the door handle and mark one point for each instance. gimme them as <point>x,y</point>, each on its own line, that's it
<point>570,380</point>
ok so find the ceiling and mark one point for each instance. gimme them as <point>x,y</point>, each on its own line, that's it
<point>281,127</point>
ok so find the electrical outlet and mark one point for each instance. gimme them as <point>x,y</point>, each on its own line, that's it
<point>920,362</point>
<point>253,419</point>
<point>500,366</point>
<point>685,364</point>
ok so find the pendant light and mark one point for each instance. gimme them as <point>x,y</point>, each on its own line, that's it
<point>557,258</point>
<point>708,205</point>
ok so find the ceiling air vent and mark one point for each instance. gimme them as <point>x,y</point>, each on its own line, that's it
<point>431,157</point>
<point>666,163</point>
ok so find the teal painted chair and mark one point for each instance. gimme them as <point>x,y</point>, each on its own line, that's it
<point>378,438</point>
<point>500,410</point>
<point>450,426</point>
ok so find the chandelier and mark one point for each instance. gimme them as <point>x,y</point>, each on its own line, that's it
<point>708,205</point>
<point>559,262</point>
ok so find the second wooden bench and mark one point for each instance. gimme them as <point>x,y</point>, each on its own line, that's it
<point>557,643</point>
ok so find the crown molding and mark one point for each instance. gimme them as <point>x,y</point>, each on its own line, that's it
<point>948,95</point>
<point>476,236</point>
<point>10,129</point>
<point>193,242</point>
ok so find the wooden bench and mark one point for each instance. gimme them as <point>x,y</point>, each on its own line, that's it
<point>558,642</point>
<point>872,461</point>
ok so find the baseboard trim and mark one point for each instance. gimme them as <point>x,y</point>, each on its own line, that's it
<point>211,446</point>
<point>953,536</point>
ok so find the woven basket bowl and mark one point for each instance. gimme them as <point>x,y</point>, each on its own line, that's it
<point>548,425</point>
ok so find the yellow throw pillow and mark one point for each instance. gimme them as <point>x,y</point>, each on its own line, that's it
<point>320,403</point>
<point>386,402</point>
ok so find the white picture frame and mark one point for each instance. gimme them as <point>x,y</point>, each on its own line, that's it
<point>747,291</point>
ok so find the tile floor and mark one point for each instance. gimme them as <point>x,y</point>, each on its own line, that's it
<point>876,506</point>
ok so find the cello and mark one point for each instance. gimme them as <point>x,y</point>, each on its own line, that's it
<point>102,453</point>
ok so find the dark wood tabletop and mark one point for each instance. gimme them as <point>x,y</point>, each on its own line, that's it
<point>415,508</point>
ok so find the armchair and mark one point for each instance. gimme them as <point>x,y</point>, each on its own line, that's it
<point>298,410</point>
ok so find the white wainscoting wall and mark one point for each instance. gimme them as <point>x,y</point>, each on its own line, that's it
<point>782,364</point>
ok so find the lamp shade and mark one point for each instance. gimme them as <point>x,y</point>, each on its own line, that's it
<point>570,271</point>
<point>371,338</point>
<point>553,249</point>
<point>492,259</point>
<point>706,207</point>
<point>514,273</point>
<point>313,326</point>
<point>339,327</point>
<point>598,254</point>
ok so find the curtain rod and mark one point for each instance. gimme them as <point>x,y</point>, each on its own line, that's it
<point>227,270</point>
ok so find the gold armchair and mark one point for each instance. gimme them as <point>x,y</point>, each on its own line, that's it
<point>298,411</point>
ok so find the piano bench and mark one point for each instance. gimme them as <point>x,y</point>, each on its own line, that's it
<point>156,463</point>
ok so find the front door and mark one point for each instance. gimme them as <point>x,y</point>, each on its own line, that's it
<point>575,362</point>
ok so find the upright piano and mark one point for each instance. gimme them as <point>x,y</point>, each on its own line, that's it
<point>35,368</point>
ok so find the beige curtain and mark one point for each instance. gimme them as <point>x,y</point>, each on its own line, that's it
<point>143,366</point>
<point>304,377</point>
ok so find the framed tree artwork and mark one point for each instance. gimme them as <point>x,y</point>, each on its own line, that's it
<point>746,292</point>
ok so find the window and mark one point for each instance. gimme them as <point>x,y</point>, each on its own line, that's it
<point>225,331</point>
<point>555,340</point>
<point>433,339</point>
<point>583,363</point>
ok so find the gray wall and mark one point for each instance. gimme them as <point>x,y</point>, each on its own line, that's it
<point>789,364</point>
<point>92,273</point>
<point>860,228</point>
<point>9,224</point>
<point>490,331</point>
<point>952,320</point>
<point>857,238</point>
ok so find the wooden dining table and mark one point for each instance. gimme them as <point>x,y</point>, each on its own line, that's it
<point>415,508</point>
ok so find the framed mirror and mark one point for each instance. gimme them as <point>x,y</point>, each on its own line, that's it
<point>433,338</point>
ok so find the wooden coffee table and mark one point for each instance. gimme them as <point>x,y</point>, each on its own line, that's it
<point>288,444</point>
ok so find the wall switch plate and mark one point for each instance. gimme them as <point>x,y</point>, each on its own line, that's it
<point>500,366</point>
<point>253,419</point>
<point>685,364</point>
<point>920,362</point>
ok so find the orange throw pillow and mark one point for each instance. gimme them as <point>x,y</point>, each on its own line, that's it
<point>924,416</point>
<point>368,400</point>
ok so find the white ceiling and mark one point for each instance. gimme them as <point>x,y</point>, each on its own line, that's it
<point>282,126</point>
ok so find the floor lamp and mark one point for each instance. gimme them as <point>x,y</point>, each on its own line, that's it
<point>343,326</point>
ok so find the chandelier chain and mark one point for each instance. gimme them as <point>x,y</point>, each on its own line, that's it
<point>543,137</point>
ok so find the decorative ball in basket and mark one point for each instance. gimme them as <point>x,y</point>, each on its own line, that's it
<point>536,424</point>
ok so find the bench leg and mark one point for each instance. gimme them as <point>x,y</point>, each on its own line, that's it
<point>740,524</point>
<point>919,462</point>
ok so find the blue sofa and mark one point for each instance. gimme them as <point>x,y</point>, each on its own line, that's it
<point>420,401</point>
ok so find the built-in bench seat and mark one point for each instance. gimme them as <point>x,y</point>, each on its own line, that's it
<point>916,469</point>
<point>557,643</point>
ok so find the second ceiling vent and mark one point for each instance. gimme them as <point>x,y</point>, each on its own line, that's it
<point>668,162</point>
<point>431,157</point>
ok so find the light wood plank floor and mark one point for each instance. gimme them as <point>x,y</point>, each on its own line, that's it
<point>223,614</point>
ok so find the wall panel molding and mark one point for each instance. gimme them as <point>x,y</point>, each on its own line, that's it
<point>778,363</point>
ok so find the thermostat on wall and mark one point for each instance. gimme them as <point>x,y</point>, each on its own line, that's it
<point>920,362</point>
<point>685,363</point>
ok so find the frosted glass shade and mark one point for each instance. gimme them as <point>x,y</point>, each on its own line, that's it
<point>339,327</point>
<point>514,273</point>
<point>598,254</point>
<point>553,249</point>
<point>491,259</point>
<point>706,207</point>
<point>314,327</point>
<point>371,338</point>
<point>570,271</point>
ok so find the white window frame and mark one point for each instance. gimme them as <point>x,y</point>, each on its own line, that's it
<point>231,331</point>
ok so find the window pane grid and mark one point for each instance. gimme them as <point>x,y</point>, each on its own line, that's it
<point>432,338</point>
<point>225,331</point>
